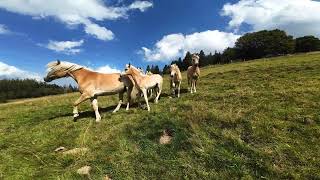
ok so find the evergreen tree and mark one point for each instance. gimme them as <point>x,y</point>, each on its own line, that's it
<point>156,70</point>
<point>186,61</point>
<point>16,88</point>
<point>148,69</point>
<point>166,69</point>
<point>202,60</point>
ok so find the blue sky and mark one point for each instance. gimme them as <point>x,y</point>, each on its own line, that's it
<point>108,34</point>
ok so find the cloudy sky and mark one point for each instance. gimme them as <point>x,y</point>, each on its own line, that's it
<point>106,34</point>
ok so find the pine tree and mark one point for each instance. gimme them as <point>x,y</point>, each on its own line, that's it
<point>186,61</point>
<point>148,69</point>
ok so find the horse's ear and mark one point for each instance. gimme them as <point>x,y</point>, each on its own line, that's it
<point>58,62</point>
<point>129,65</point>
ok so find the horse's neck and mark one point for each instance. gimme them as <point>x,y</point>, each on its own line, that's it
<point>178,74</point>
<point>137,77</point>
<point>79,74</point>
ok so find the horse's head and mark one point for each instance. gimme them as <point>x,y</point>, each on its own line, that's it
<point>173,70</point>
<point>57,69</point>
<point>131,69</point>
<point>195,59</point>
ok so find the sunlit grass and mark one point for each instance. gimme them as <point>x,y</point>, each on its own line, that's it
<point>257,119</point>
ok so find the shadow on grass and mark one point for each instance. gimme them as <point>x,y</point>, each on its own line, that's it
<point>182,91</point>
<point>90,113</point>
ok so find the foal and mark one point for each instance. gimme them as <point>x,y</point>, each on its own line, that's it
<point>145,82</point>
<point>193,73</point>
<point>91,84</point>
<point>175,79</point>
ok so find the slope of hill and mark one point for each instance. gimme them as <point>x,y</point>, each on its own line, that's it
<point>257,119</point>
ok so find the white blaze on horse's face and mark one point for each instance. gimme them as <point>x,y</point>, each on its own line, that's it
<point>172,70</point>
<point>195,59</point>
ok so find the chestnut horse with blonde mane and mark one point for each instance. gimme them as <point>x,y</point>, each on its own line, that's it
<point>145,82</point>
<point>91,84</point>
<point>175,79</point>
<point>193,73</point>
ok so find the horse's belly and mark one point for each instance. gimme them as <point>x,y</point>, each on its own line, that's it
<point>106,92</point>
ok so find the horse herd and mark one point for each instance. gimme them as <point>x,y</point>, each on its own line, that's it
<point>133,81</point>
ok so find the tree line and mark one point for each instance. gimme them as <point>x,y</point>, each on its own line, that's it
<point>29,88</point>
<point>255,45</point>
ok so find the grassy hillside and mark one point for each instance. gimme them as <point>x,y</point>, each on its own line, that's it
<point>258,119</point>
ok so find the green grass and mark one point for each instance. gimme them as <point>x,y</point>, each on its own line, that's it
<point>251,120</point>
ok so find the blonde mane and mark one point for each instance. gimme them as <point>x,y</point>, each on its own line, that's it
<point>137,70</point>
<point>54,66</point>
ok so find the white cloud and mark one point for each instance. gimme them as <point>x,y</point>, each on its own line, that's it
<point>107,69</point>
<point>297,17</point>
<point>99,32</point>
<point>67,47</point>
<point>11,72</point>
<point>4,29</point>
<point>141,5</point>
<point>75,12</point>
<point>176,45</point>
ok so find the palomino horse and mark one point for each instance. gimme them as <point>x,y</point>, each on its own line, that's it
<point>145,82</point>
<point>91,84</point>
<point>176,78</point>
<point>193,73</point>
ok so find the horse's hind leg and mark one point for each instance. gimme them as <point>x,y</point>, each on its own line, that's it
<point>158,93</point>
<point>95,106</point>
<point>119,103</point>
<point>82,98</point>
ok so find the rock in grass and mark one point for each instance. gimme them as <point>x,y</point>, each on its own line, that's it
<point>308,121</point>
<point>76,151</point>
<point>59,149</point>
<point>106,177</point>
<point>166,137</point>
<point>85,170</point>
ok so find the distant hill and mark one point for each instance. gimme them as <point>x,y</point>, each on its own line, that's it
<point>27,88</point>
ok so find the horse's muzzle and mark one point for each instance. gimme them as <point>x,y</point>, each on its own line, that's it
<point>46,79</point>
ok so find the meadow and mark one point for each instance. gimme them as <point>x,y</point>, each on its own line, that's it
<point>251,120</point>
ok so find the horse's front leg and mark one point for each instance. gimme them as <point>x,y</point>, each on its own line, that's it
<point>179,84</point>
<point>95,106</point>
<point>82,98</point>
<point>173,89</point>
<point>195,86</point>
<point>119,103</point>
<point>189,84</point>
<point>192,86</point>
<point>129,98</point>
<point>144,91</point>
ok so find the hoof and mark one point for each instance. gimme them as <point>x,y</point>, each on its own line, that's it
<point>75,119</point>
